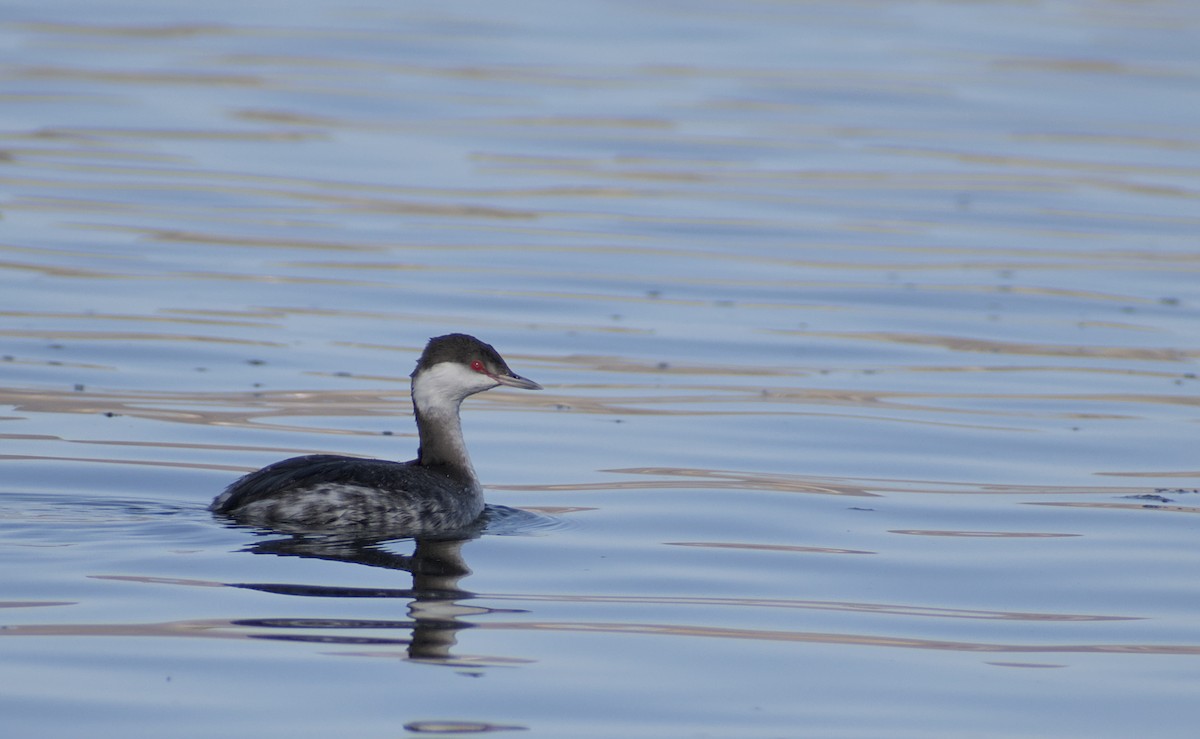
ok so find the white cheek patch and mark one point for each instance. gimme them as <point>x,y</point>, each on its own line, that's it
<point>444,386</point>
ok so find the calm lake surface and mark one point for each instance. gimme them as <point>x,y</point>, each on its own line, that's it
<point>870,334</point>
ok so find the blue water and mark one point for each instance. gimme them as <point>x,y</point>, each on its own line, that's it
<point>869,335</point>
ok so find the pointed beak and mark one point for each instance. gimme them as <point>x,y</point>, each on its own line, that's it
<point>517,382</point>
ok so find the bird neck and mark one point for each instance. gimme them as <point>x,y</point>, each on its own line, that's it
<point>436,406</point>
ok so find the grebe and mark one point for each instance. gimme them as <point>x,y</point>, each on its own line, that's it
<point>436,492</point>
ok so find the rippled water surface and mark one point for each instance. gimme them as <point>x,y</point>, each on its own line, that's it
<point>869,331</point>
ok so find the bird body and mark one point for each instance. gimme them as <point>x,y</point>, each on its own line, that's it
<point>436,492</point>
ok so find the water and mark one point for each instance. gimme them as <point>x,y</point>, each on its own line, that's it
<point>869,333</point>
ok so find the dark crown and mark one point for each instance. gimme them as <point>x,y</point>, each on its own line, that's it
<point>461,349</point>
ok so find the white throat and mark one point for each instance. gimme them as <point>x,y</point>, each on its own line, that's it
<point>437,393</point>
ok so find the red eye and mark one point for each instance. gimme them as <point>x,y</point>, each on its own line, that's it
<point>477,366</point>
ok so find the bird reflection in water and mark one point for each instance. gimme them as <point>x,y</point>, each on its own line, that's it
<point>436,600</point>
<point>437,604</point>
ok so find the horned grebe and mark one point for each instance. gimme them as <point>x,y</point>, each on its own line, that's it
<point>436,492</point>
